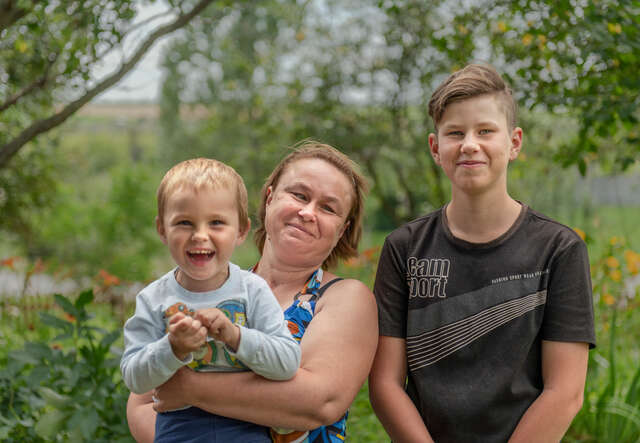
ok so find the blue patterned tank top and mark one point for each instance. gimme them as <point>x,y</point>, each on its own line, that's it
<point>298,317</point>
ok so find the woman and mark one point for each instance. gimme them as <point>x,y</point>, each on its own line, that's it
<point>310,216</point>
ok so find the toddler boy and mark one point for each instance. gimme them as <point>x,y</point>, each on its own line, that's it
<point>206,313</point>
<point>485,307</point>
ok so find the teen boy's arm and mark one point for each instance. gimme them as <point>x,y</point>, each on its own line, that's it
<point>392,405</point>
<point>564,371</point>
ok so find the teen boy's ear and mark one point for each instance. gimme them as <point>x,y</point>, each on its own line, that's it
<point>434,148</point>
<point>516,143</point>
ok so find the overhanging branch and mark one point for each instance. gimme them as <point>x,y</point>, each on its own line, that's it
<point>8,150</point>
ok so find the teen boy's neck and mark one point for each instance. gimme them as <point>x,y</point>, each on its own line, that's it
<point>481,220</point>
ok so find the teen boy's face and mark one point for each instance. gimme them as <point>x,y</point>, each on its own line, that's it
<point>201,229</point>
<point>474,145</point>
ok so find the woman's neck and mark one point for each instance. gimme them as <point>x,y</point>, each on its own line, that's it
<point>285,280</point>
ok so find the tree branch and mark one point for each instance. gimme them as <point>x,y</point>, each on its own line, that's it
<point>11,148</point>
<point>10,13</point>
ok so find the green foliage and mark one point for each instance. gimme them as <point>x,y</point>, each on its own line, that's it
<point>48,48</point>
<point>25,191</point>
<point>611,412</point>
<point>67,392</point>
<point>578,58</point>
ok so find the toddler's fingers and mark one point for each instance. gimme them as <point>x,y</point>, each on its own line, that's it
<point>175,318</point>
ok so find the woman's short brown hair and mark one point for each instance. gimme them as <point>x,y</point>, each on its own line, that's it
<point>473,80</point>
<point>347,246</point>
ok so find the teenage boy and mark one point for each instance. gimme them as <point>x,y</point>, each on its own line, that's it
<point>206,313</point>
<point>485,305</point>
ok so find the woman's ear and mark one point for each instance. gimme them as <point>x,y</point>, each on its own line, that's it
<point>269,195</point>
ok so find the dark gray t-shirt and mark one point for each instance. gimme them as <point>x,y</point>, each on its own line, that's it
<point>473,316</point>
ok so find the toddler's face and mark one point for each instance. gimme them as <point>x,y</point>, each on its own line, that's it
<point>201,229</point>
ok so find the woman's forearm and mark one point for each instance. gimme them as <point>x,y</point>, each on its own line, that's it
<point>141,417</point>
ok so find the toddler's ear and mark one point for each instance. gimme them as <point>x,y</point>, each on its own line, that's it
<point>160,230</point>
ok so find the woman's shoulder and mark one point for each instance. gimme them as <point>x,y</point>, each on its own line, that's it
<point>345,290</point>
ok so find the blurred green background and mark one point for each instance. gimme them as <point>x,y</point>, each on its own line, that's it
<point>242,82</point>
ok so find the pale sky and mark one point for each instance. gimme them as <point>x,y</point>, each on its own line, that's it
<point>143,82</point>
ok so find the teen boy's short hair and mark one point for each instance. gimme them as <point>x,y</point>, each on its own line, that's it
<point>471,81</point>
<point>199,173</point>
<point>347,246</point>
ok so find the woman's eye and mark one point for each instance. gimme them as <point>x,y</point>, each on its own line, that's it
<point>299,195</point>
<point>329,209</point>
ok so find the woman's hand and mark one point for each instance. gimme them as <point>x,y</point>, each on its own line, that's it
<point>173,393</point>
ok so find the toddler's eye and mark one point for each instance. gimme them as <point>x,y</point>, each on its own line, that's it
<point>184,223</point>
<point>485,131</point>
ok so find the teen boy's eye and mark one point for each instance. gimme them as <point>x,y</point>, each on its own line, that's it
<point>455,133</point>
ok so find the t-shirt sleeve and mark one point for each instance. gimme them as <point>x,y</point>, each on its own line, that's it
<point>569,309</point>
<point>390,289</point>
<point>266,345</point>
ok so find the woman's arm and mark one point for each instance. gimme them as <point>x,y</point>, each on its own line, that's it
<point>337,351</point>
<point>141,417</point>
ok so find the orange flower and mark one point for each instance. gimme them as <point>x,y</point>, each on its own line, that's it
<point>615,275</point>
<point>108,279</point>
<point>608,299</point>
<point>581,233</point>
<point>633,261</point>
<point>9,262</point>
<point>612,262</point>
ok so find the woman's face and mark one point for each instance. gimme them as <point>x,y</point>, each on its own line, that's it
<point>306,212</point>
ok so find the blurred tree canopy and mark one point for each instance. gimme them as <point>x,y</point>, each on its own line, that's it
<point>48,49</point>
<point>244,80</point>
<point>359,74</point>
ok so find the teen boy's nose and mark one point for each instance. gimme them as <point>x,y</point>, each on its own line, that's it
<point>469,143</point>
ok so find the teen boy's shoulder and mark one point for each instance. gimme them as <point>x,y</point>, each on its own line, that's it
<point>416,227</point>
<point>552,228</point>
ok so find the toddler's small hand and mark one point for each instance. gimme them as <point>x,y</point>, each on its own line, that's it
<point>219,326</point>
<point>186,335</point>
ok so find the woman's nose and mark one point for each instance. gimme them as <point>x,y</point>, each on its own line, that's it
<point>307,211</point>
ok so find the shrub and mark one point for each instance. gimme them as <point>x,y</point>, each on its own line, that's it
<point>67,390</point>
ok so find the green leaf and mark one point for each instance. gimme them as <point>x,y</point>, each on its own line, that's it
<point>50,424</point>
<point>84,299</point>
<point>86,420</point>
<point>55,322</point>
<point>53,398</point>
<point>66,305</point>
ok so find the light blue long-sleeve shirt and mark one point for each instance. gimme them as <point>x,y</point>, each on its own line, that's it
<point>266,345</point>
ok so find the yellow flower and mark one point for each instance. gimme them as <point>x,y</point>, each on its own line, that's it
<point>580,232</point>
<point>502,27</point>
<point>527,39</point>
<point>614,28</point>
<point>608,299</point>
<point>614,240</point>
<point>615,275</point>
<point>612,262</point>
<point>633,261</point>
